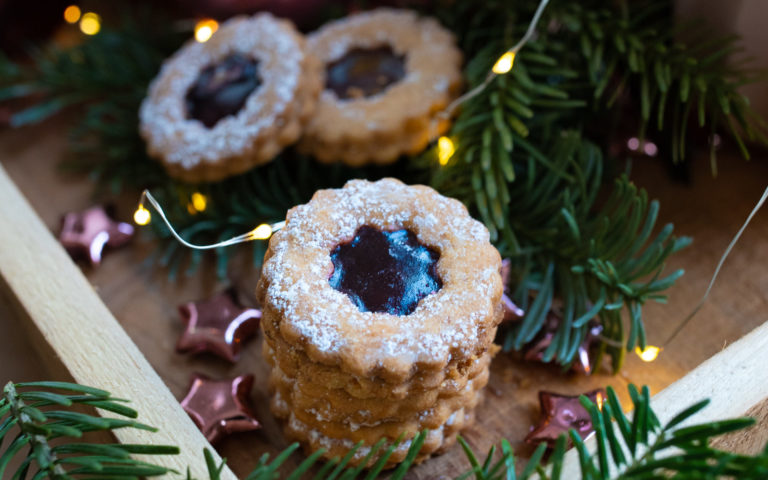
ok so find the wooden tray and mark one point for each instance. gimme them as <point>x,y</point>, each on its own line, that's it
<point>115,327</point>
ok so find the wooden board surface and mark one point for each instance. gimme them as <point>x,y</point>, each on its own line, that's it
<point>144,302</point>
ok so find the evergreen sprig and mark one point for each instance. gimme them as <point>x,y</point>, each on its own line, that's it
<point>643,448</point>
<point>537,191</point>
<point>675,71</point>
<point>636,448</point>
<point>530,155</point>
<point>370,467</point>
<point>627,448</point>
<point>44,415</point>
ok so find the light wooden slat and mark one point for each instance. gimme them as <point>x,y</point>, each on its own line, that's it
<point>736,382</point>
<point>89,341</point>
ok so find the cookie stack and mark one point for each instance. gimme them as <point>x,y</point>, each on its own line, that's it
<point>385,357</point>
<point>334,418</point>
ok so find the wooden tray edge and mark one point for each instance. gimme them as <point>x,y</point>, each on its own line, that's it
<point>55,296</point>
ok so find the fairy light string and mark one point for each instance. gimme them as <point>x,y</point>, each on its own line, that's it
<point>504,64</point>
<point>143,217</point>
<point>650,353</point>
<point>719,267</point>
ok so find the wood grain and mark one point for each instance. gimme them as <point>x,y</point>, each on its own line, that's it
<point>735,381</point>
<point>144,302</point>
<point>752,440</point>
<point>72,319</point>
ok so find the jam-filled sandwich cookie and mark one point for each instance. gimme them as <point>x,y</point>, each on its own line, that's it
<point>382,279</point>
<point>224,106</point>
<point>379,288</point>
<point>388,73</point>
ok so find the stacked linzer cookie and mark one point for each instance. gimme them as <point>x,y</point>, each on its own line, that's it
<point>380,304</point>
<point>363,89</point>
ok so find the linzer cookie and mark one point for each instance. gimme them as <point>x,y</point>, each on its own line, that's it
<point>453,324</point>
<point>380,302</point>
<point>221,107</point>
<point>388,73</point>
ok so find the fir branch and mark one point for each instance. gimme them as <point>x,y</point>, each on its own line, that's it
<point>542,209</point>
<point>636,51</point>
<point>639,447</point>
<point>372,464</point>
<point>43,412</point>
<point>630,62</point>
<point>633,448</point>
<point>642,448</point>
<point>536,168</point>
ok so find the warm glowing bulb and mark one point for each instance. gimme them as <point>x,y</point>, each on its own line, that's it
<point>90,24</point>
<point>600,401</point>
<point>649,354</point>
<point>199,201</point>
<point>204,30</point>
<point>262,232</point>
<point>72,14</point>
<point>445,149</point>
<point>504,63</point>
<point>141,216</point>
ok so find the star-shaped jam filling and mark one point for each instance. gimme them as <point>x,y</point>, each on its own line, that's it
<point>85,234</point>
<point>219,325</point>
<point>560,413</point>
<point>385,271</point>
<point>364,72</point>
<point>220,407</point>
<point>221,89</point>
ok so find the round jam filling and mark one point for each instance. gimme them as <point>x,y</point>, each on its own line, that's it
<point>364,72</point>
<point>222,88</point>
<point>385,271</point>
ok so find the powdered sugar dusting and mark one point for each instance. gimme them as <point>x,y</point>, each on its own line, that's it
<point>419,40</point>
<point>188,142</point>
<point>445,324</point>
<point>318,440</point>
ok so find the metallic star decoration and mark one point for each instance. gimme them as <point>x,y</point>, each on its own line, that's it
<point>559,413</point>
<point>220,407</point>
<point>582,363</point>
<point>85,234</point>
<point>218,325</point>
<point>512,312</point>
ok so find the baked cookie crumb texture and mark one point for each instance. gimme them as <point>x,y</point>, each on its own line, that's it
<point>364,358</point>
<point>221,107</point>
<point>388,73</point>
